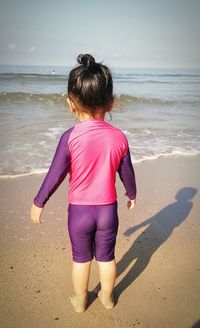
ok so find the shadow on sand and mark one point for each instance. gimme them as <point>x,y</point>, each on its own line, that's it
<point>159,228</point>
<point>196,325</point>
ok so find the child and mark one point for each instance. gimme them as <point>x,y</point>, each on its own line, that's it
<point>92,152</point>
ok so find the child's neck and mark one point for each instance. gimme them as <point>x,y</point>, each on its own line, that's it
<point>86,117</point>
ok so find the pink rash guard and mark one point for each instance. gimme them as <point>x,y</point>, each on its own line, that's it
<point>92,152</point>
<point>96,150</point>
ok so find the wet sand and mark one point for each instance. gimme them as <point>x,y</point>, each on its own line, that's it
<point>158,252</point>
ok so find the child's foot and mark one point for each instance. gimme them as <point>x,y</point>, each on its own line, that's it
<point>106,300</point>
<point>79,303</point>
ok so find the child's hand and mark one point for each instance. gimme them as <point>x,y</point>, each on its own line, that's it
<point>36,213</point>
<point>131,203</point>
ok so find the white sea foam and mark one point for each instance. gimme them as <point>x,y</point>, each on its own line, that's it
<point>173,153</point>
<point>14,176</point>
<point>53,132</point>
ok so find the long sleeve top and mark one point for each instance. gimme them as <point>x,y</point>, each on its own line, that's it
<point>91,152</point>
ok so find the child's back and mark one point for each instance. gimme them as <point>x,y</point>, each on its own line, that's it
<point>96,149</point>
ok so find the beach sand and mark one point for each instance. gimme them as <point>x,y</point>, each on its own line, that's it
<point>158,254</point>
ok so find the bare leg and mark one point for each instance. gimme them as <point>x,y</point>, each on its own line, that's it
<point>107,271</point>
<point>80,279</point>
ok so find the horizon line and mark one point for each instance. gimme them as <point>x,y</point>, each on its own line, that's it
<point>112,66</point>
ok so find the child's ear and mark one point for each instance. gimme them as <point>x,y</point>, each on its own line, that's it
<point>69,102</point>
<point>111,104</point>
<point>71,105</point>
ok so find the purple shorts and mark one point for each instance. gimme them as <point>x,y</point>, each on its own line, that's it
<point>93,230</point>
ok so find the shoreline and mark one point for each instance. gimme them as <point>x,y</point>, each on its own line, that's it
<point>157,254</point>
<point>135,163</point>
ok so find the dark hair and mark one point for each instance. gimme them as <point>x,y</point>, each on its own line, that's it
<point>90,85</point>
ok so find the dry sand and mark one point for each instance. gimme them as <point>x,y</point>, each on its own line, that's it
<point>158,254</point>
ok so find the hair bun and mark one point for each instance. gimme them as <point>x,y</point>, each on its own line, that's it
<point>86,60</point>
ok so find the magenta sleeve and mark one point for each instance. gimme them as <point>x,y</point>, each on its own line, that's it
<point>127,176</point>
<point>58,170</point>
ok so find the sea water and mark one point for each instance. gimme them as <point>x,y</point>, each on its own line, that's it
<point>158,110</point>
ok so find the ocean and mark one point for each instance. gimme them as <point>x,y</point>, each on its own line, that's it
<point>158,110</point>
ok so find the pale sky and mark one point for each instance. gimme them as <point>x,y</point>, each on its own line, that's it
<point>124,33</point>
